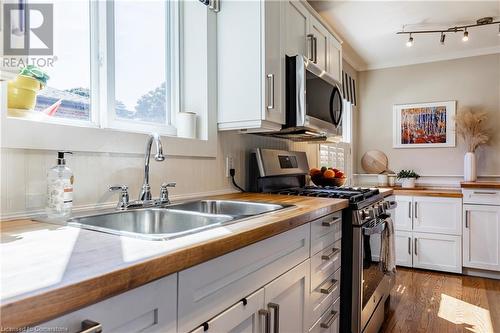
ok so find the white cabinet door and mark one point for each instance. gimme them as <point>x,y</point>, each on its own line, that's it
<point>438,252</point>
<point>297,27</point>
<point>334,66</point>
<point>404,248</point>
<point>437,215</point>
<point>240,318</point>
<point>482,237</point>
<point>403,213</point>
<point>287,298</point>
<point>250,66</point>
<point>149,308</point>
<point>274,65</point>
<point>319,42</point>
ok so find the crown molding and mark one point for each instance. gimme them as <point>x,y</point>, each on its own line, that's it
<point>423,60</point>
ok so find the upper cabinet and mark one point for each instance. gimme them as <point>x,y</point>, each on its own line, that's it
<point>318,39</point>
<point>253,38</point>
<point>250,66</point>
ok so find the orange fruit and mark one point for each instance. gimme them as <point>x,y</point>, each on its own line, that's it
<point>329,174</point>
<point>314,171</point>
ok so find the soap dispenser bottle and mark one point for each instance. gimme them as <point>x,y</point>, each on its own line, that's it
<point>59,188</point>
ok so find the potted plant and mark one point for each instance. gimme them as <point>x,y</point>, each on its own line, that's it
<point>23,89</point>
<point>408,178</point>
<point>471,127</point>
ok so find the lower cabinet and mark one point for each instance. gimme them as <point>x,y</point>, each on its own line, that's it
<point>437,252</point>
<point>280,306</point>
<point>427,233</point>
<point>404,248</point>
<point>245,316</point>
<point>481,230</point>
<point>287,300</point>
<point>149,308</point>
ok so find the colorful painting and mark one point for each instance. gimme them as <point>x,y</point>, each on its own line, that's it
<point>424,125</point>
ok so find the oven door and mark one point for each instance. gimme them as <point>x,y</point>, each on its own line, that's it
<point>369,279</point>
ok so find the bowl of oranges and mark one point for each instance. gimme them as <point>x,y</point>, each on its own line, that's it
<point>327,176</point>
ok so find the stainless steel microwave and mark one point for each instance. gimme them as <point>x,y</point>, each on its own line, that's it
<point>313,100</point>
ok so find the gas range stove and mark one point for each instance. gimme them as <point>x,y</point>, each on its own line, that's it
<point>358,197</point>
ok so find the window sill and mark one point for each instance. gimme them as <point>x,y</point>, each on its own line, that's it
<point>51,136</point>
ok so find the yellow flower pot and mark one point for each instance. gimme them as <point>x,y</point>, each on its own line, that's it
<point>22,92</point>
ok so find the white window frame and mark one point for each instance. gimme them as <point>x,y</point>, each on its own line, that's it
<point>114,136</point>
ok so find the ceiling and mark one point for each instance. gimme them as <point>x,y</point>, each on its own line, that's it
<point>369,28</point>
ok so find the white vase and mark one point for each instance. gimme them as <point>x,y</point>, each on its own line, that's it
<point>470,169</point>
<point>408,182</point>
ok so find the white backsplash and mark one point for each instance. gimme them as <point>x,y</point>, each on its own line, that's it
<point>23,173</point>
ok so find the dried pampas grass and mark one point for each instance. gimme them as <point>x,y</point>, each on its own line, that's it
<point>471,126</point>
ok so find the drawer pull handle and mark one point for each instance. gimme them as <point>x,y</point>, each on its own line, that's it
<point>333,316</point>
<point>90,326</point>
<point>330,255</point>
<point>484,192</point>
<point>276,308</point>
<point>330,223</point>
<point>267,320</point>
<point>331,287</point>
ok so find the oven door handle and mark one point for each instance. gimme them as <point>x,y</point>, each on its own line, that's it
<point>376,229</point>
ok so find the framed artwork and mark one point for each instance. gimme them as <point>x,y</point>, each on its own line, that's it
<point>424,125</point>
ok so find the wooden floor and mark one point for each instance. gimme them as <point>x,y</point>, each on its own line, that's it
<point>424,301</point>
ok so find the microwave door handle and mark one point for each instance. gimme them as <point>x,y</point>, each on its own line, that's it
<point>335,120</point>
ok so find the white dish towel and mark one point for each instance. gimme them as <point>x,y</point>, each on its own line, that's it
<point>388,248</point>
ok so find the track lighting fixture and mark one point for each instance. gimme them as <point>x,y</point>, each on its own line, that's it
<point>466,36</point>
<point>409,43</point>
<point>461,28</point>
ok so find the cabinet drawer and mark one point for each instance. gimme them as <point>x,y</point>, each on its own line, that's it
<point>149,308</point>
<point>325,231</point>
<point>481,196</point>
<point>329,321</point>
<point>207,289</point>
<point>323,296</point>
<point>324,264</point>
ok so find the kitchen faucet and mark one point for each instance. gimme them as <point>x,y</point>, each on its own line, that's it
<point>145,197</point>
<point>145,194</point>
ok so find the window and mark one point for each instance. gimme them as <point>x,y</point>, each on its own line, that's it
<point>113,66</point>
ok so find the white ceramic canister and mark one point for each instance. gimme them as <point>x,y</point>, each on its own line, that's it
<point>186,125</point>
<point>392,179</point>
<point>382,179</point>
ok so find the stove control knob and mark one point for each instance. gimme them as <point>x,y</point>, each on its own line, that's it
<point>364,214</point>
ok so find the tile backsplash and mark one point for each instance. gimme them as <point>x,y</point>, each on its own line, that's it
<point>23,173</point>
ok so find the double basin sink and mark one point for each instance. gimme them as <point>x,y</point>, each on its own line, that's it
<point>161,223</point>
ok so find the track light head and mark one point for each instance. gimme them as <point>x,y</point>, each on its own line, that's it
<point>466,36</point>
<point>409,43</point>
<point>443,37</point>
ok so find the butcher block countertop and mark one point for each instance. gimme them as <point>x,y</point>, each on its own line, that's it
<point>427,191</point>
<point>48,270</point>
<point>491,185</point>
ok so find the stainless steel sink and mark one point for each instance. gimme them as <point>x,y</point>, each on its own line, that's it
<point>160,223</point>
<point>228,207</point>
<point>150,223</point>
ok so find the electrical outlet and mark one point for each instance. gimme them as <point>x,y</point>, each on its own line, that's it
<point>229,165</point>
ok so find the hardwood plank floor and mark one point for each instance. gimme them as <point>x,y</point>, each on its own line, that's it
<point>425,301</point>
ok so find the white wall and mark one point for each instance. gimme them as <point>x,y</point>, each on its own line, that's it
<point>23,173</point>
<point>473,82</point>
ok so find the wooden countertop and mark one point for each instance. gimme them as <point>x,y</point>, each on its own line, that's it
<point>48,270</point>
<point>427,192</point>
<point>492,185</point>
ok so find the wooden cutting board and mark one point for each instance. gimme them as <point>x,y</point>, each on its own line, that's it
<point>374,161</point>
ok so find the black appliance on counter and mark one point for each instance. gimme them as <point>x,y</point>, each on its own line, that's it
<point>362,302</point>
